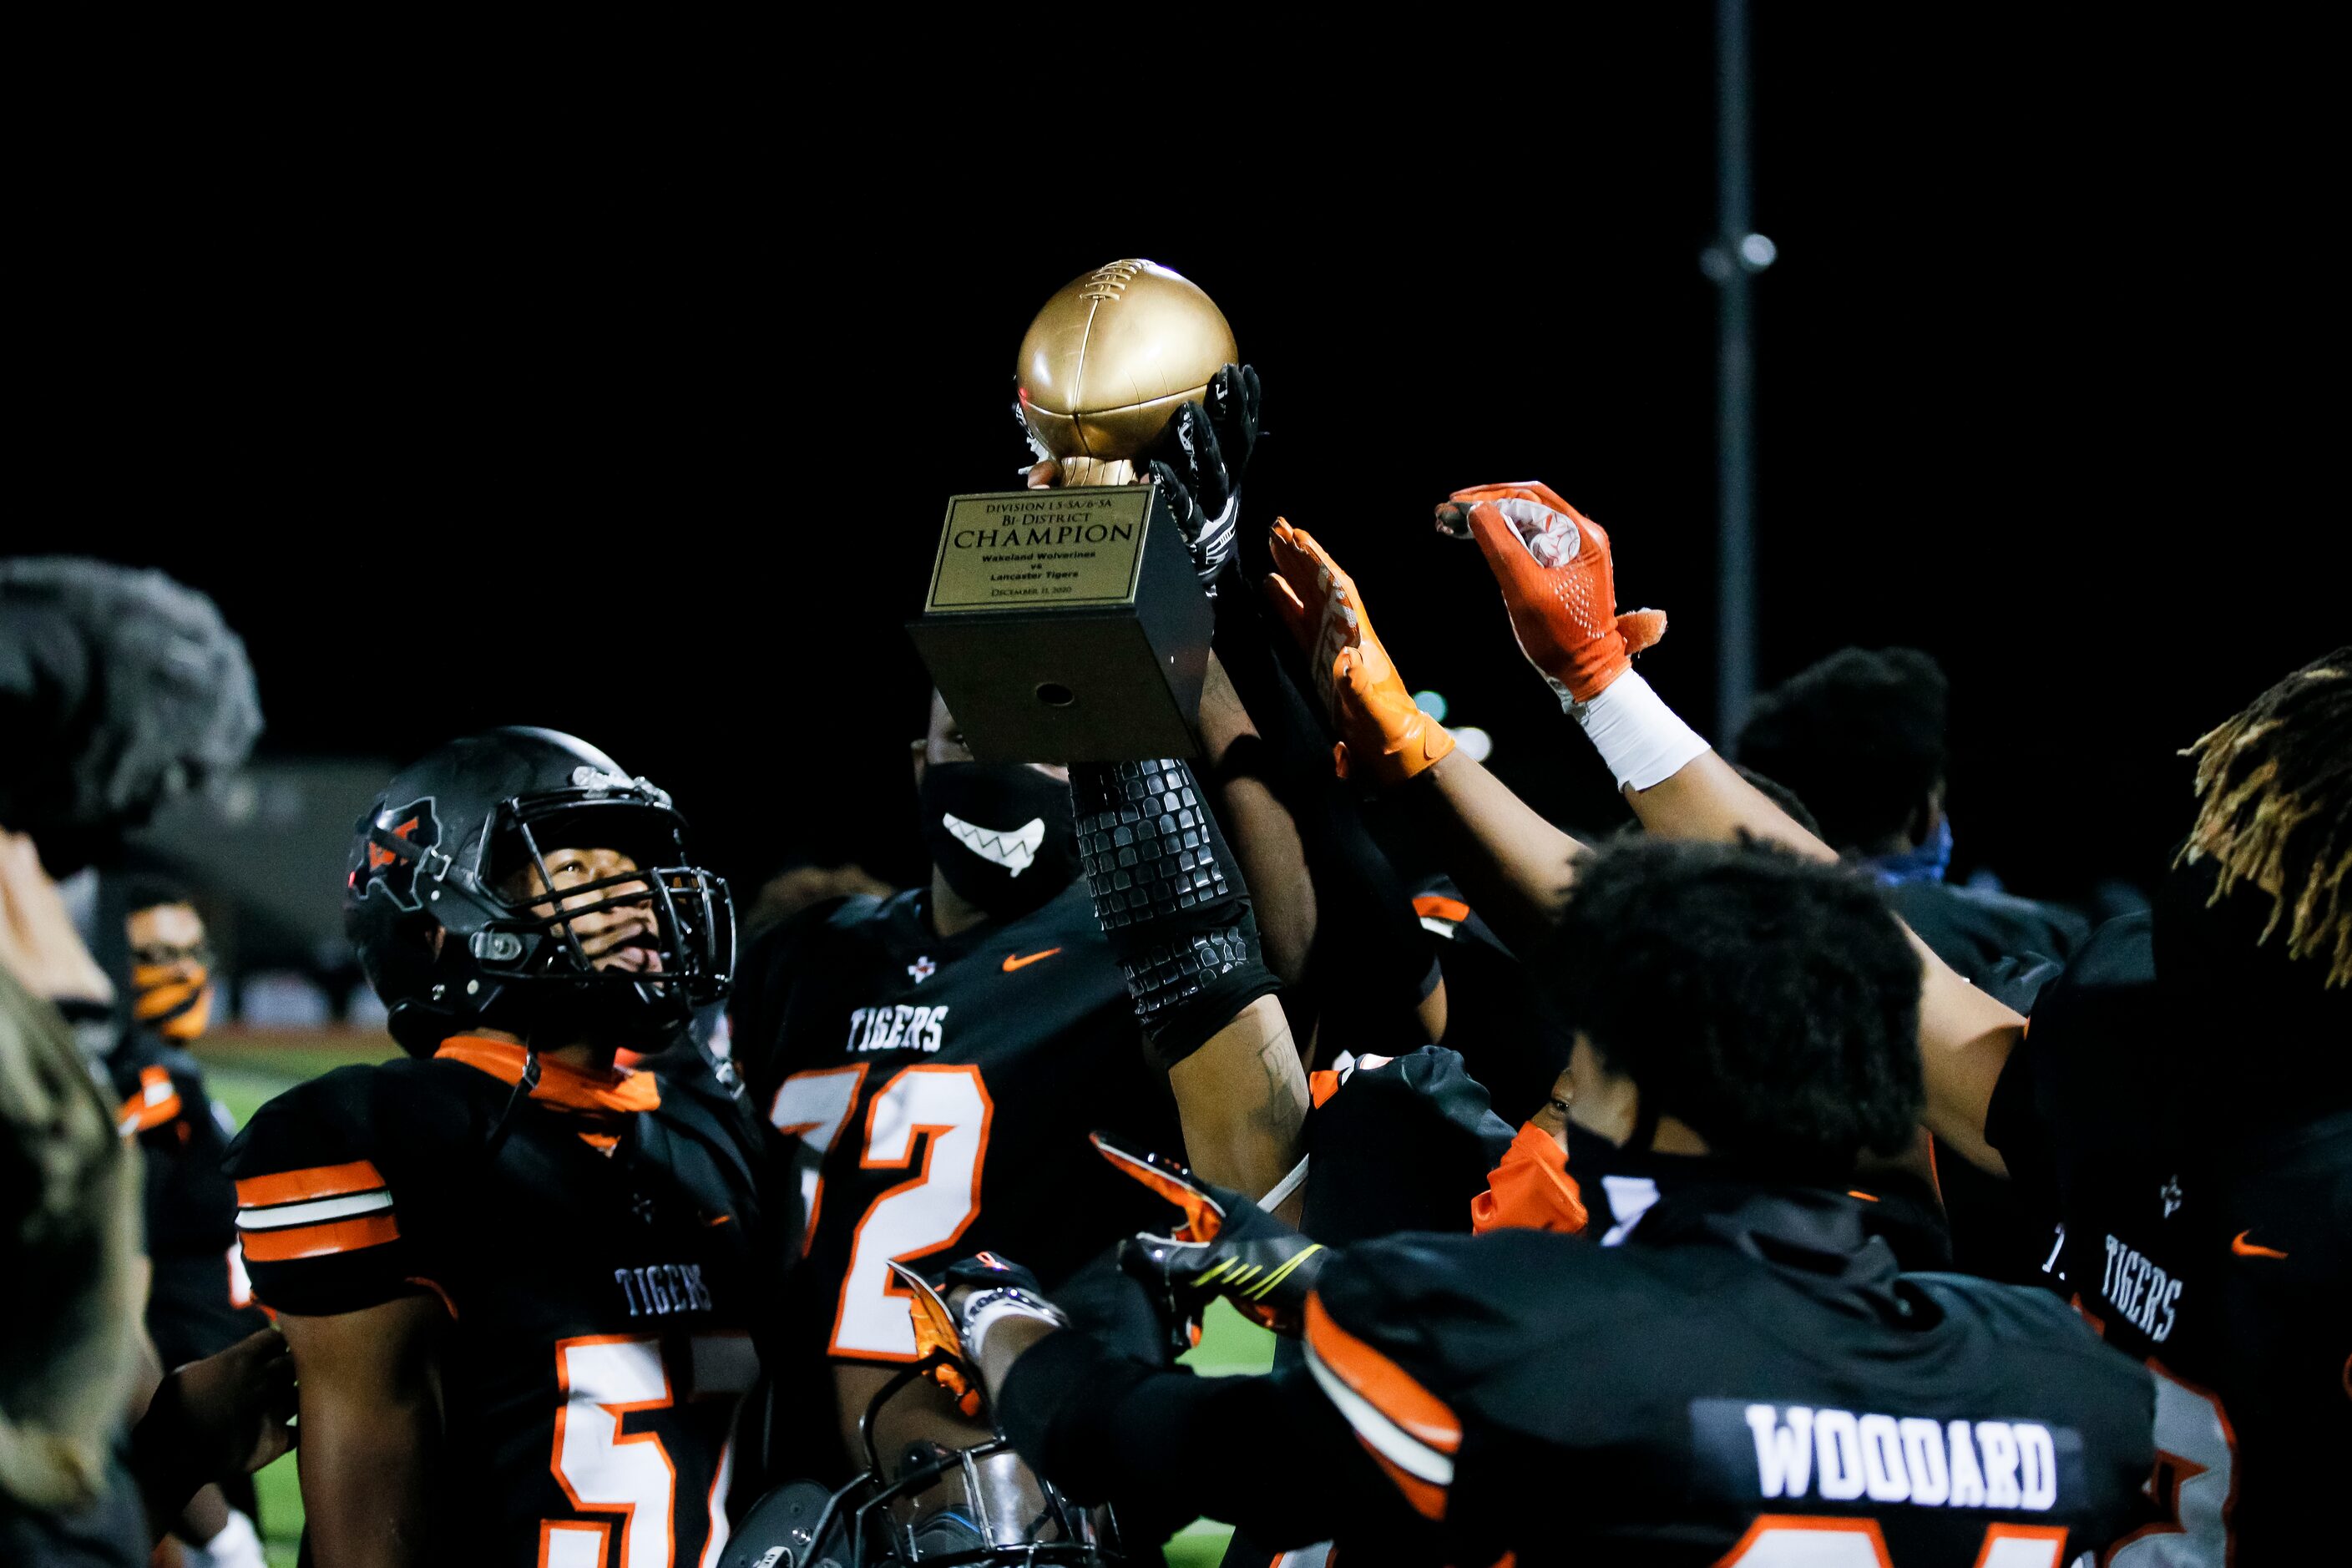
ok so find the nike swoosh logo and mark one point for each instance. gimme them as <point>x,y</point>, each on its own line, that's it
<point>1023,961</point>
<point>2244,1249</point>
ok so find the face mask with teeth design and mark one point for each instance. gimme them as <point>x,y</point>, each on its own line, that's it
<point>1001,833</point>
<point>1015,851</point>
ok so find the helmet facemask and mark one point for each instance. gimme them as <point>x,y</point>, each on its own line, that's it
<point>514,957</point>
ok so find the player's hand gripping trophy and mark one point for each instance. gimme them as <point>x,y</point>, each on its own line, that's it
<point>1069,621</point>
<point>1129,374</point>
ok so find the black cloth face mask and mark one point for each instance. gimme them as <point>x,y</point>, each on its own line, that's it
<point>1001,833</point>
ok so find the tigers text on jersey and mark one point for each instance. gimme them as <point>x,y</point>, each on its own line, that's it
<point>2206,1232</point>
<point>942,1091</point>
<point>1746,1379</point>
<point>603,1260</point>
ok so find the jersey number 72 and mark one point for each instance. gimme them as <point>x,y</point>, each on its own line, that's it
<point>923,1213</point>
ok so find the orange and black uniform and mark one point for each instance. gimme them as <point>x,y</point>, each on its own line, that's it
<point>198,1304</point>
<point>602,1251</point>
<point>2207,1230</point>
<point>1747,1373</point>
<point>942,1089</point>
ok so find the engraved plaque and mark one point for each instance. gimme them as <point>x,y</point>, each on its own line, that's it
<point>1040,549</point>
<point>1066,626</point>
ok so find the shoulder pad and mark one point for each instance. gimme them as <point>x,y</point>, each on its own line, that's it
<point>2120,954</point>
<point>839,913</point>
<point>1409,1336</point>
<point>852,910</point>
<point>318,1172</point>
<point>2010,1311</point>
<point>328,1119</point>
<point>2102,1006</point>
<point>409,1109</point>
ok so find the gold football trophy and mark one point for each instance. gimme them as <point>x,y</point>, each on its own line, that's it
<point>1066,624</point>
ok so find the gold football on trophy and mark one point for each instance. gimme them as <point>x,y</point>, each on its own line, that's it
<point>1111,356</point>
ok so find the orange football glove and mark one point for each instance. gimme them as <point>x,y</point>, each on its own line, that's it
<point>1532,1188</point>
<point>1383,736</point>
<point>935,1330</point>
<point>1552,562</point>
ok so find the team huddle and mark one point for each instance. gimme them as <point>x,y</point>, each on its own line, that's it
<point>1729,1190</point>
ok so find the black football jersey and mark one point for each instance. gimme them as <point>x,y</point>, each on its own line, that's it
<point>2210,1238</point>
<point>1745,1379</point>
<point>199,1302</point>
<point>942,1091</point>
<point>1619,1185</point>
<point>601,1248</point>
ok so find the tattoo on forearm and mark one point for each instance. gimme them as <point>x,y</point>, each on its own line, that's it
<point>1283,1105</point>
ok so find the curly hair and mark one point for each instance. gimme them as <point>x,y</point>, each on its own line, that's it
<point>2274,810</point>
<point>1769,1003</point>
<point>1858,737</point>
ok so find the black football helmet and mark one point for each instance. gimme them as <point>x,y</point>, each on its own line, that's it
<point>450,831</point>
<point>938,1506</point>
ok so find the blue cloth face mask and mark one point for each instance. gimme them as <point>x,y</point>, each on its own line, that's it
<point>1927,863</point>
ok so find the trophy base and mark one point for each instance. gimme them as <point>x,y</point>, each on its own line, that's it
<point>1065,688</point>
<point>1115,677</point>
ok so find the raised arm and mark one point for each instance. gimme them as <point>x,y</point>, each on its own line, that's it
<point>1267,846</point>
<point>1515,866</point>
<point>1370,980</point>
<point>1554,570</point>
<point>1168,893</point>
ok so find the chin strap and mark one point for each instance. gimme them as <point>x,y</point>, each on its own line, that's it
<point>515,1097</point>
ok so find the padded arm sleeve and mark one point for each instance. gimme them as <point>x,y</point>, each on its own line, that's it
<point>1169,896</point>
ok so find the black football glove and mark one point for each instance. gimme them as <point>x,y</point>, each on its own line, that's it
<point>1226,1247</point>
<point>1199,461</point>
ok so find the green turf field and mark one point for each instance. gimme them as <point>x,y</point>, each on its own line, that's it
<point>245,1070</point>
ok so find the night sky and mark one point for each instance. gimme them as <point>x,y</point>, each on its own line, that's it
<point>650,441</point>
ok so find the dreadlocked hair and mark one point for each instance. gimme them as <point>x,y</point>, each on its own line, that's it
<point>2274,809</point>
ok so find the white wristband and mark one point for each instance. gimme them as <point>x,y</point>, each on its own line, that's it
<point>990,1308</point>
<point>1637,735</point>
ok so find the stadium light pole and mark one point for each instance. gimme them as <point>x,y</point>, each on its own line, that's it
<point>1738,254</point>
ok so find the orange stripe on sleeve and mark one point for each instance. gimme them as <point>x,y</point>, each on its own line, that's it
<point>1440,908</point>
<point>319,1182</point>
<point>1386,1386</point>
<point>156,1102</point>
<point>1427,1498</point>
<point>143,1117</point>
<point>318,1240</point>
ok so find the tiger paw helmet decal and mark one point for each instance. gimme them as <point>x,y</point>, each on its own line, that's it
<point>387,869</point>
